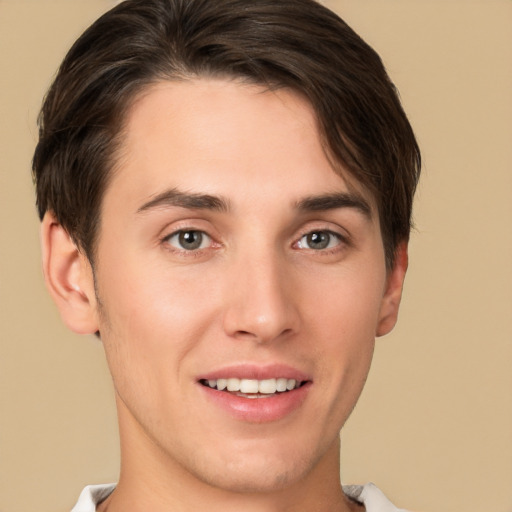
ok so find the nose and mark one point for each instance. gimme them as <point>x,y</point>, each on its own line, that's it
<point>261,299</point>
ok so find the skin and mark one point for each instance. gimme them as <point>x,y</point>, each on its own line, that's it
<point>256,291</point>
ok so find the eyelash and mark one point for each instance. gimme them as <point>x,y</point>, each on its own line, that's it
<point>166,242</point>
<point>342,241</point>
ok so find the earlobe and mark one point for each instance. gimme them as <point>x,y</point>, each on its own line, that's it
<point>393,293</point>
<point>68,277</point>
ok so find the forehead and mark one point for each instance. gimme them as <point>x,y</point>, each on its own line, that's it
<point>212,135</point>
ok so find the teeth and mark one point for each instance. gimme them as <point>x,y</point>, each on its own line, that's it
<point>248,386</point>
<point>253,386</point>
<point>267,386</point>
<point>281,385</point>
<point>233,384</point>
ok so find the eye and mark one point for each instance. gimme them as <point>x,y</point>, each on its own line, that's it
<point>319,240</point>
<point>189,240</point>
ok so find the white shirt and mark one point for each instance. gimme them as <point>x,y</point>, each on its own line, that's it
<point>369,495</point>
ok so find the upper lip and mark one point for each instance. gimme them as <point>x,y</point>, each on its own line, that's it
<point>256,372</point>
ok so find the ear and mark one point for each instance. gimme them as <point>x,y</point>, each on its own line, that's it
<point>393,292</point>
<point>69,278</point>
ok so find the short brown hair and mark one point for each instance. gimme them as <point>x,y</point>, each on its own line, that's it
<point>297,44</point>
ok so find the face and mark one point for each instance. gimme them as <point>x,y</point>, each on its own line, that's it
<point>240,284</point>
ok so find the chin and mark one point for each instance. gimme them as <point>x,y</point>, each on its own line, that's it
<point>259,473</point>
<point>264,481</point>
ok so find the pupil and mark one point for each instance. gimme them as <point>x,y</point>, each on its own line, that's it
<point>191,239</point>
<point>318,240</point>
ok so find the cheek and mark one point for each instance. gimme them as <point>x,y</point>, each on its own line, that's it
<point>345,362</point>
<point>343,315</point>
<point>149,296</point>
<point>348,337</point>
<point>147,311</point>
<point>346,304</point>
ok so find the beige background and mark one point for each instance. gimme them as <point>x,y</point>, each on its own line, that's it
<point>434,425</point>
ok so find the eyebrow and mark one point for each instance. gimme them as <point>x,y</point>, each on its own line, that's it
<point>190,200</point>
<point>334,201</point>
<point>196,201</point>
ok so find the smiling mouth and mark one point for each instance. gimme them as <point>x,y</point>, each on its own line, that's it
<point>252,388</point>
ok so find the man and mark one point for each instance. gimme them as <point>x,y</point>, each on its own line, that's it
<point>225,188</point>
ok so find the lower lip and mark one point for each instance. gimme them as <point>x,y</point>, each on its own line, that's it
<point>258,410</point>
